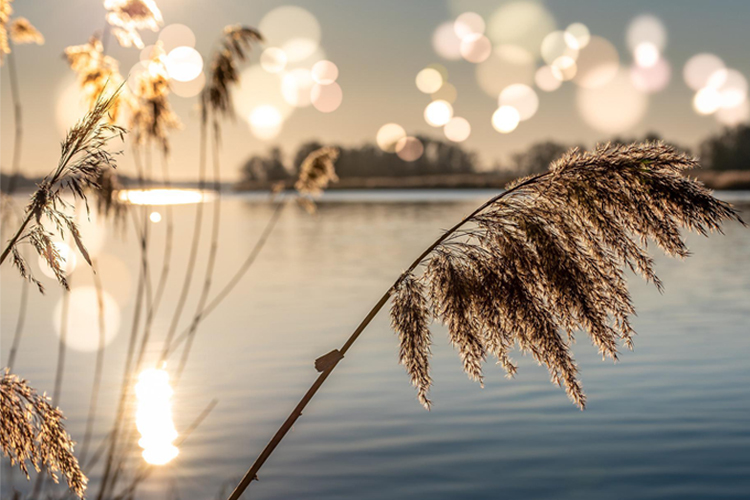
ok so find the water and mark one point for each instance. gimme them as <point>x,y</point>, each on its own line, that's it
<point>668,421</point>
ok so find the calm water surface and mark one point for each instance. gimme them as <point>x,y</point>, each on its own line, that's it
<point>669,421</point>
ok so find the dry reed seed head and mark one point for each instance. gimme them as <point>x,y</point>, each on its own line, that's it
<point>317,171</point>
<point>410,318</point>
<point>548,259</point>
<point>98,74</point>
<point>32,432</point>
<point>22,31</point>
<point>152,116</point>
<point>235,46</point>
<point>83,158</point>
<point>5,11</point>
<point>452,288</point>
<point>128,17</point>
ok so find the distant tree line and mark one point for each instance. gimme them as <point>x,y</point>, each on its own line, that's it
<point>727,150</point>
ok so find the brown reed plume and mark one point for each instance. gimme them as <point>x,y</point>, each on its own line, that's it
<point>21,30</point>
<point>152,116</point>
<point>537,263</point>
<point>97,73</point>
<point>128,17</point>
<point>83,157</point>
<point>316,172</point>
<point>32,432</point>
<point>234,49</point>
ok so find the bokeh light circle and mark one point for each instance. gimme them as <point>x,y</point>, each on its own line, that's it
<point>447,92</point>
<point>707,101</point>
<point>614,108</point>
<point>446,43</point>
<point>646,28</point>
<point>429,80</point>
<point>326,98</point>
<point>388,137</point>
<point>546,80</point>
<point>555,46</point>
<point>651,79</point>
<point>564,68</point>
<point>476,48</point>
<point>273,60</point>
<point>508,64</point>
<point>522,98</point>
<point>155,217</point>
<point>699,68</point>
<point>296,86</point>
<point>409,149</point>
<point>646,54</point>
<point>505,119</point>
<point>577,36</point>
<point>438,113</point>
<point>458,129</point>
<point>292,28</point>
<point>266,122</point>
<point>468,23</point>
<point>597,63</point>
<point>176,35</point>
<point>184,64</point>
<point>256,88</point>
<point>521,23</point>
<point>82,330</point>
<point>325,72</point>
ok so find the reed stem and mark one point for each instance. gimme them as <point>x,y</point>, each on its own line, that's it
<point>297,412</point>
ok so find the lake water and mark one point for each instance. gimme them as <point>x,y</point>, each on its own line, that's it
<point>671,420</point>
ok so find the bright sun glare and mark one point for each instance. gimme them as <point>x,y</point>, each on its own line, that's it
<point>154,417</point>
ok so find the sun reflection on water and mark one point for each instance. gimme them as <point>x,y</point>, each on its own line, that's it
<point>154,417</point>
<point>164,196</point>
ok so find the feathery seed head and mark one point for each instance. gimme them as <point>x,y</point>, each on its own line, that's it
<point>547,258</point>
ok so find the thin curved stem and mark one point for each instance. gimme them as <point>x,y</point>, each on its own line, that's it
<point>251,474</point>
<point>236,278</point>
<point>194,245</point>
<point>210,266</point>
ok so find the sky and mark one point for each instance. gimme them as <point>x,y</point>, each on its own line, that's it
<point>379,48</point>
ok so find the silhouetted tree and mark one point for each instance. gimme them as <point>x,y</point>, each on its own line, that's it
<point>266,168</point>
<point>728,150</point>
<point>538,157</point>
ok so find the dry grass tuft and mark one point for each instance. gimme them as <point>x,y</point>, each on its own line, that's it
<point>82,160</point>
<point>31,430</point>
<point>536,266</point>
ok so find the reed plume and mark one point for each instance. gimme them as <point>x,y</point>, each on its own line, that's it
<point>152,116</point>
<point>83,157</point>
<point>22,31</point>
<point>537,266</point>
<point>32,432</point>
<point>98,72</point>
<point>538,262</point>
<point>128,17</point>
<point>234,48</point>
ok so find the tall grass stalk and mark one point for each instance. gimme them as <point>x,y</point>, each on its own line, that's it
<point>545,256</point>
